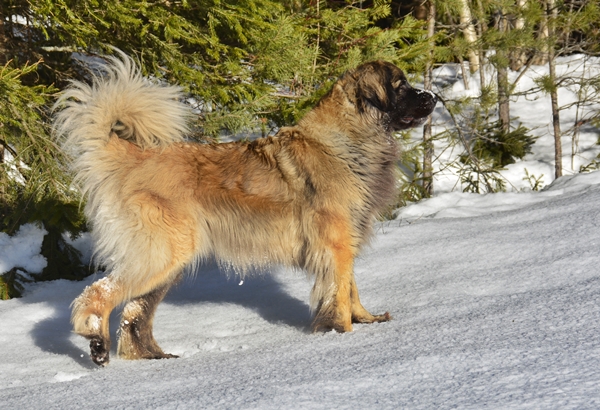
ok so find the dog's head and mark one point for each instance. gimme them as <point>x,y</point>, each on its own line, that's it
<point>381,89</point>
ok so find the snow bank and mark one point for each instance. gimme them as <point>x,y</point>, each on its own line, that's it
<point>461,205</point>
<point>23,249</point>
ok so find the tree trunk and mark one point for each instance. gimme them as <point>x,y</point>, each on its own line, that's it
<point>3,42</point>
<point>468,29</point>
<point>503,86</point>
<point>551,16</point>
<point>503,101</point>
<point>481,28</point>
<point>541,58</point>
<point>555,123</point>
<point>518,57</point>
<point>427,143</point>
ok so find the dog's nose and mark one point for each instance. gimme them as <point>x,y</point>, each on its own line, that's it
<point>428,101</point>
<point>434,98</point>
<point>431,94</point>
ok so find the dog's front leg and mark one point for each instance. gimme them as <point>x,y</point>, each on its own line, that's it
<point>339,306</point>
<point>333,263</point>
<point>335,294</point>
<point>334,309</point>
<point>359,313</point>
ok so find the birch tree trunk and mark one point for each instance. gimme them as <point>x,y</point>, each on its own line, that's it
<point>518,57</point>
<point>481,28</point>
<point>541,58</point>
<point>468,29</point>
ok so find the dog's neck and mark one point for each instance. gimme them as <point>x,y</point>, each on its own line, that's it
<point>346,124</point>
<point>371,154</point>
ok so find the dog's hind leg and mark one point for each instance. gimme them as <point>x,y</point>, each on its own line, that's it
<point>91,312</point>
<point>136,340</point>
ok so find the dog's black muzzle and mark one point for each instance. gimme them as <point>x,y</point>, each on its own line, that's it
<point>416,105</point>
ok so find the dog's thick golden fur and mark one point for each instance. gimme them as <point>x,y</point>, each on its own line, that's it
<point>305,198</point>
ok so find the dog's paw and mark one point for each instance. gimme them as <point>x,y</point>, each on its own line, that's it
<point>325,325</point>
<point>163,356</point>
<point>99,352</point>
<point>386,317</point>
<point>369,318</point>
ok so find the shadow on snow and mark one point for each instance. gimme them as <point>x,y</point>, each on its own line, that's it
<point>261,292</point>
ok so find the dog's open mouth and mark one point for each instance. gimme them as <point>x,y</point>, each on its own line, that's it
<point>412,121</point>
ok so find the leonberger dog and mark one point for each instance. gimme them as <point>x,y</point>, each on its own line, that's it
<point>157,203</point>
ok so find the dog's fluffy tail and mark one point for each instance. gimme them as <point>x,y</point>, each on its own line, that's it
<point>122,102</point>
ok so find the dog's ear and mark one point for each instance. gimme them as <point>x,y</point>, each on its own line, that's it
<point>374,87</point>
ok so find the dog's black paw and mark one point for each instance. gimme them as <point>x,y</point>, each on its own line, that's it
<point>99,351</point>
<point>165,356</point>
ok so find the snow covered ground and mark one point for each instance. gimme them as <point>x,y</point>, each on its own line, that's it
<point>495,300</point>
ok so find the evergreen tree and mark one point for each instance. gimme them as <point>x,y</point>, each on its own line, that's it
<point>248,66</point>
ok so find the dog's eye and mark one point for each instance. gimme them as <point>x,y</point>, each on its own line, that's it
<point>397,83</point>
